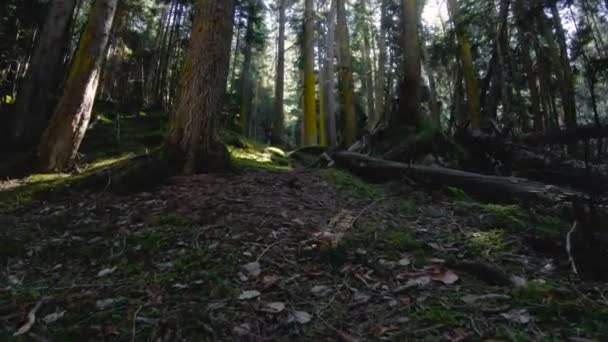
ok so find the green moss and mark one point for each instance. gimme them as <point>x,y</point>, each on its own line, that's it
<point>507,216</point>
<point>459,195</point>
<point>407,207</point>
<point>493,240</point>
<point>399,239</point>
<point>351,185</point>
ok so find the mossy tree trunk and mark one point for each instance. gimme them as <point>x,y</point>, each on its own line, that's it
<point>61,140</point>
<point>310,112</point>
<point>36,97</point>
<point>466,59</point>
<point>345,83</point>
<point>193,138</point>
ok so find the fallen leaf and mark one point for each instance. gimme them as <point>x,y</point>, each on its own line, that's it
<point>347,337</point>
<point>242,330</point>
<point>274,307</point>
<point>405,262</point>
<point>414,282</point>
<point>103,304</point>
<point>456,335</point>
<point>50,318</point>
<point>406,300</point>
<point>520,316</point>
<point>180,286</point>
<point>301,317</point>
<point>320,290</point>
<point>31,319</point>
<point>518,281</point>
<point>269,280</point>
<point>249,295</point>
<point>361,298</point>
<point>379,330</point>
<point>443,275</point>
<point>253,268</point>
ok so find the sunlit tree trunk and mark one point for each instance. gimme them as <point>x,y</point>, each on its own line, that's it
<point>61,140</point>
<point>277,125</point>
<point>193,138</point>
<point>409,93</point>
<point>310,112</point>
<point>39,88</point>
<point>466,59</point>
<point>328,79</point>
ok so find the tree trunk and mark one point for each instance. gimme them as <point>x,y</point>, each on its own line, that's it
<point>246,69</point>
<point>466,58</point>
<point>381,89</point>
<point>277,125</point>
<point>525,33</point>
<point>39,88</point>
<point>62,138</point>
<point>347,90</point>
<point>310,113</point>
<point>193,138</point>
<point>329,85</point>
<point>409,96</point>
<point>368,70</point>
<point>568,99</point>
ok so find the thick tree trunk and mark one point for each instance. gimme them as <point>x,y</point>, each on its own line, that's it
<point>309,123</point>
<point>193,139</point>
<point>277,124</point>
<point>466,58</point>
<point>568,97</point>
<point>329,71</point>
<point>347,89</point>
<point>62,138</point>
<point>409,94</point>
<point>36,97</point>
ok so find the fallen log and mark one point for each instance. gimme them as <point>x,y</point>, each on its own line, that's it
<point>491,188</point>
<point>565,136</point>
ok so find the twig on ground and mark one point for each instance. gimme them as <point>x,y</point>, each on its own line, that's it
<point>569,247</point>
<point>135,323</point>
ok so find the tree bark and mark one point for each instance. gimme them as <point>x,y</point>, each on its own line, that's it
<point>409,95</point>
<point>277,124</point>
<point>246,69</point>
<point>367,66</point>
<point>466,58</point>
<point>38,91</point>
<point>309,123</point>
<point>193,138</point>
<point>61,140</point>
<point>329,71</point>
<point>381,88</point>
<point>347,90</point>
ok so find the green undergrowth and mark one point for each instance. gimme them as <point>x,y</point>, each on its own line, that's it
<point>113,139</point>
<point>248,154</point>
<point>351,185</point>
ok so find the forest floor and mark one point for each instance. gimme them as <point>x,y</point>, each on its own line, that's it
<point>279,252</point>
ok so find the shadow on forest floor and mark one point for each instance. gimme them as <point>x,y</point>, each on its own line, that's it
<point>275,253</point>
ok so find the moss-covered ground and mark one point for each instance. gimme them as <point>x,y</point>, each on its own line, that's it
<point>270,251</point>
